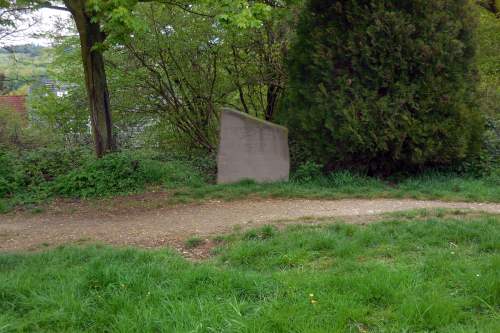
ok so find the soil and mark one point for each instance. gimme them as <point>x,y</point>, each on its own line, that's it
<point>144,222</point>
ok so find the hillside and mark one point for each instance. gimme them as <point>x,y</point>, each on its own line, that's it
<point>21,65</point>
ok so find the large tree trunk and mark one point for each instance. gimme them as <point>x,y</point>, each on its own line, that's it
<point>91,36</point>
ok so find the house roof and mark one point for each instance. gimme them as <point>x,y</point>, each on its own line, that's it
<point>16,103</point>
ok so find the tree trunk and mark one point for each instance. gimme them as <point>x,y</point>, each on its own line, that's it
<point>273,92</point>
<point>91,36</point>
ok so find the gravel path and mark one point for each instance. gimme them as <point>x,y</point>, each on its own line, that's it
<point>156,227</point>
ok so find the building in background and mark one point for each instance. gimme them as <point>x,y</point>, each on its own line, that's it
<point>14,103</point>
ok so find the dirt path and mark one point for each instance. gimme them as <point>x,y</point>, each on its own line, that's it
<point>154,227</point>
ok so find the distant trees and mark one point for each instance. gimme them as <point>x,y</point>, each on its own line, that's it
<point>384,85</point>
<point>29,49</point>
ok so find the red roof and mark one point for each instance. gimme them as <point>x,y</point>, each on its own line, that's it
<point>16,103</point>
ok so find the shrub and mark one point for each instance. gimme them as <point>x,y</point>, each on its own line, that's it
<point>384,85</point>
<point>45,164</point>
<point>196,162</point>
<point>122,173</point>
<point>307,172</point>
<point>11,127</point>
<point>112,174</point>
<point>15,133</point>
<point>4,207</point>
<point>8,173</point>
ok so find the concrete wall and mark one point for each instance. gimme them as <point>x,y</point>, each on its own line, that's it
<point>251,148</point>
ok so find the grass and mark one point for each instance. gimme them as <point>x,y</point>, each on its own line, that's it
<point>415,272</point>
<point>345,185</point>
<point>194,242</point>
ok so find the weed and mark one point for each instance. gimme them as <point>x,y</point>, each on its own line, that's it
<point>194,242</point>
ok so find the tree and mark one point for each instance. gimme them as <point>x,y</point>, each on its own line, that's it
<point>91,39</point>
<point>384,86</point>
<point>256,59</point>
<point>95,21</point>
<point>8,17</point>
<point>178,58</point>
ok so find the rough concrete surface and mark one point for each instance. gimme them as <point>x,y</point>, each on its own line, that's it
<point>251,148</point>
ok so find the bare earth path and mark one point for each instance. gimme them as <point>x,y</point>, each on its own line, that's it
<point>159,226</point>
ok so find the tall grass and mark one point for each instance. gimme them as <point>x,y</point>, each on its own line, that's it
<point>344,184</point>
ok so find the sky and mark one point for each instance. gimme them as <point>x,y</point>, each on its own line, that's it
<point>42,32</point>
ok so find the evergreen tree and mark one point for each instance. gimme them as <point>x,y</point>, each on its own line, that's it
<point>383,85</point>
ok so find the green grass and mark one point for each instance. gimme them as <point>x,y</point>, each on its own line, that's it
<point>193,242</point>
<point>344,185</point>
<point>413,273</point>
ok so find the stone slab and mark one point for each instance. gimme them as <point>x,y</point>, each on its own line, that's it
<point>251,148</point>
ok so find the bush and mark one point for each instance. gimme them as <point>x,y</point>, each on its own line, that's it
<point>196,162</point>
<point>45,164</point>
<point>15,132</point>
<point>32,177</point>
<point>308,172</point>
<point>112,174</point>
<point>123,173</point>
<point>12,125</point>
<point>384,85</point>
<point>8,173</point>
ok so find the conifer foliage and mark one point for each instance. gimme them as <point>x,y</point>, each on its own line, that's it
<point>383,85</point>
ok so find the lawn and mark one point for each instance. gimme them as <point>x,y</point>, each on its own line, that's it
<point>414,272</point>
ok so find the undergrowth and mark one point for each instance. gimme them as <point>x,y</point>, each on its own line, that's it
<point>28,180</point>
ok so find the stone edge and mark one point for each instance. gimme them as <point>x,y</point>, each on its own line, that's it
<point>255,119</point>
